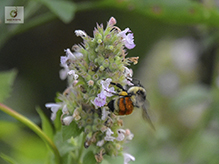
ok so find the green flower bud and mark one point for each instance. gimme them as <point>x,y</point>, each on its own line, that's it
<point>95,77</point>
<point>89,120</point>
<point>105,63</point>
<point>99,41</point>
<point>110,47</point>
<point>88,129</point>
<point>81,123</point>
<point>101,68</point>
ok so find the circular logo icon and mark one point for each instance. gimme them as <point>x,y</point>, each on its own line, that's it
<point>13,13</point>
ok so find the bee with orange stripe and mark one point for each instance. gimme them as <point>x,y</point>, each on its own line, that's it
<point>129,100</point>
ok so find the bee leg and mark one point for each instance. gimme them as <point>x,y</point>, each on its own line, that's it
<point>118,85</point>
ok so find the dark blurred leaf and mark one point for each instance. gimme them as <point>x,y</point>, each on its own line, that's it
<point>191,95</point>
<point>172,11</point>
<point>6,81</point>
<point>65,10</point>
<point>46,124</point>
<point>70,131</point>
<point>8,159</point>
<point>89,158</point>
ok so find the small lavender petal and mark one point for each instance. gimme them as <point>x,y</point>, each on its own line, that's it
<point>69,54</point>
<point>73,73</point>
<point>109,138</point>
<point>109,132</point>
<point>78,55</point>
<point>121,135</point>
<point>128,39</point>
<point>54,108</point>
<point>67,120</point>
<point>104,114</point>
<point>63,60</point>
<point>100,143</point>
<point>105,83</point>
<point>105,87</point>
<point>63,73</point>
<point>128,157</point>
<point>80,33</point>
<point>123,33</point>
<point>100,100</point>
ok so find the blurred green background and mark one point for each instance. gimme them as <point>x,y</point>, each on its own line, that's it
<point>177,42</point>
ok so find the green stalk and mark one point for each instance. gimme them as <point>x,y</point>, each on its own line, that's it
<point>33,127</point>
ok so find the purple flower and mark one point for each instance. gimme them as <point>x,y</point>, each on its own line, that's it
<point>128,39</point>
<point>108,92</point>
<point>100,100</point>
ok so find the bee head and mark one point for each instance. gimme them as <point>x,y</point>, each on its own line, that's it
<point>138,95</point>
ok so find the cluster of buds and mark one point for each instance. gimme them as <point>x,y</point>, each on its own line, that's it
<point>89,70</point>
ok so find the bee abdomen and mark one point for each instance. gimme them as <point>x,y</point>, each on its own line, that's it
<point>125,106</point>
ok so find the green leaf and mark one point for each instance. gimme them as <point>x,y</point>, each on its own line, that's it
<point>6,81</point>
<point>57,121</point>
<point>70,131</point>
<point>46,124</point>
<point>191,95</point>
<point>89,158</point>
<point>65,10</point>
<point>63,146</point>
<point>8,159</point>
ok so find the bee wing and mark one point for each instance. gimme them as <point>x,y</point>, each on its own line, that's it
<point>146,115</point>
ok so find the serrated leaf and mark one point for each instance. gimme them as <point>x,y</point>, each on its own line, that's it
<point>191,95</point>
<point>46,124</point>
<point>8,159</point>
<point>65,10</point>
<point>70,131</point>
<point>6,81</point>
<point>89,158</point>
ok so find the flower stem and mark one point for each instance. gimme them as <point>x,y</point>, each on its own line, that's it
<point>35,128</point>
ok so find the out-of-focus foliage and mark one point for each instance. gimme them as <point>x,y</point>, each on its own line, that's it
<point>177,41</point>
<point>7,79</point>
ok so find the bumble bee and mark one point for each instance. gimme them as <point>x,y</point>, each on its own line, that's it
<point>129,100</point>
